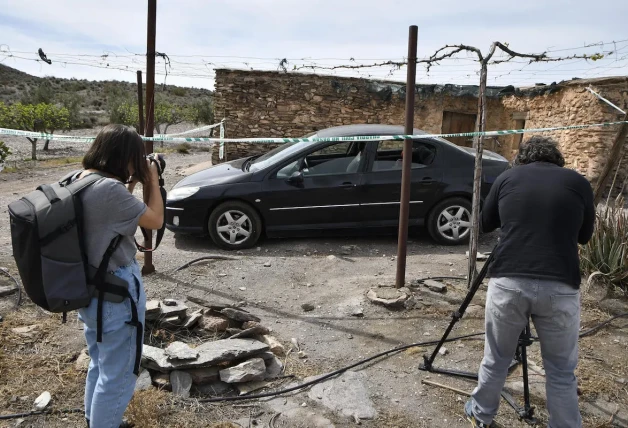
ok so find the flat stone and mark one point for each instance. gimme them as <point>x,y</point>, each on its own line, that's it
<point>331,258</point>
<point>181,383</point>
<point>42,401</point>
<point>308,307</point>
<point>274,366</point>
<point>7,291</point>
<point>391,298</point>
<point>214,324</point>
<point>238,315</point>
<point>162,380</point>
<point>248,371</point>
<point>193,319</point>
<point>153,309</point>
<point>215,389</point>
<point>346,395</point>
<point>210,354</point>
<point>82,361</point>
<point>205,375</point>
<point>26,330</point>
<point>251,332</point>
<point>178,309</point>
<point>180,351</point>
<point>274,345</point>
<point>171,322</point>
<point>144,381</point>
<point>248,387</point>
<point>251,324</point>
<point>293,415</point>
<point>614,306</point>
<point>436,286</point>
<point>234,331</point>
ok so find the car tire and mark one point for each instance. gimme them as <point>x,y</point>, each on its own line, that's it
<point>234,225</point>
<point>449,222</point>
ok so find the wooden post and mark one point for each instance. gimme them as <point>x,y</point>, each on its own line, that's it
<point>613,159</point>
<point>140,102</point>
<point>406,173</point>
<point>478,143</point>
<point>150,112</point>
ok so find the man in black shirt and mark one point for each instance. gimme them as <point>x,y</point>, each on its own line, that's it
<point>544,212</point>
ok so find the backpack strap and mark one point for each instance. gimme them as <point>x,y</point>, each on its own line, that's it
<point>103,287</point>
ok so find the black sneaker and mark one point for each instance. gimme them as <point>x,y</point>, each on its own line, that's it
<point>468,411</point>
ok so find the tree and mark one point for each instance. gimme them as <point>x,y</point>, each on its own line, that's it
<point>72,102</point>
<point>36,118</point>
<point>166,115</point>
<point>202,112</point>
<point>125,113</point>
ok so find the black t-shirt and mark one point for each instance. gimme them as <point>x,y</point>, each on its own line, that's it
<point>543,211</point>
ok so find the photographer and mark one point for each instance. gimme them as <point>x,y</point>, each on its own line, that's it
<point>544,211</point>
<point>111,210</point>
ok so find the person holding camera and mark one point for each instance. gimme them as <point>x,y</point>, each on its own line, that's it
<point>110,210</point>
<point>544,211</point>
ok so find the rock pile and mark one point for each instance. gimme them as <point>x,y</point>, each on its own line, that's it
<point>242,361</point>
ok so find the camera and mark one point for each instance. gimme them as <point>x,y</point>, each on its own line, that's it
<point>159,160</point>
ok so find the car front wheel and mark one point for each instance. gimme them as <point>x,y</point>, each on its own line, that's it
<point>234,225</point>
<point>449,222</point>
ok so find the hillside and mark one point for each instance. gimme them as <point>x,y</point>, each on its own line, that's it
<point>92,96</point>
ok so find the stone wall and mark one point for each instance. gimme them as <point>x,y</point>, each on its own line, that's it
<point>276,104</point>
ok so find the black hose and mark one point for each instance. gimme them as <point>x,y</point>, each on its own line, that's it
<point>17,284</point>
<point>599,326</point>
<point>212,257</point>
<point>39,412</point>
<point>328,375</point>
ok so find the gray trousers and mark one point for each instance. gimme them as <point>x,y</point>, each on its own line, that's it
<point>555,310</point>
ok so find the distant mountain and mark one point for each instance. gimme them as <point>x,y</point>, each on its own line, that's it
<point>16,86</point>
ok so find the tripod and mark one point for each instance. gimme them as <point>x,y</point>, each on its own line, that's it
<point>526,413</point>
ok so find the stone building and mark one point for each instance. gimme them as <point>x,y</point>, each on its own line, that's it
<point>278,104</point>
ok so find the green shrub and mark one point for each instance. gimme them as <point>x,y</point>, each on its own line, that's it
<point>183,148</point>
<point>4,152</point>
<point>179,92</point>
<point>606,256</point>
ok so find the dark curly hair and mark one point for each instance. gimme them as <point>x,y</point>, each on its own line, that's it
<point>539,149</point>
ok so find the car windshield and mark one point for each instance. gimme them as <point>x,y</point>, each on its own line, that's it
<point>276,155</point>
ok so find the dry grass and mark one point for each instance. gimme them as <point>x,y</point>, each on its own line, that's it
<point>147,408</point>
<point>30,364</point>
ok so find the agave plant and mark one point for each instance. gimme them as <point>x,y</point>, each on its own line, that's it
<point>606,255</point>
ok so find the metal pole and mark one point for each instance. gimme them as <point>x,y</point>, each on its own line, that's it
<point>140,102</point>
<point>406,174</point>
<point>150,111</point>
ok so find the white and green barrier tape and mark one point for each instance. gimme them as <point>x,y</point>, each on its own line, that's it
<point>55,137</point>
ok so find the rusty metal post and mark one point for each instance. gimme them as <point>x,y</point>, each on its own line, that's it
<point>140,102</point>
<point>406,174</point>
<point>150,112</point>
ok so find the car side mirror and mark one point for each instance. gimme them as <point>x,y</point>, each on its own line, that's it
<point>296,178</point>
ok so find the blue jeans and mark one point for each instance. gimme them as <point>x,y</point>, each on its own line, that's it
<point>555,311</point>
<point>110,379</point>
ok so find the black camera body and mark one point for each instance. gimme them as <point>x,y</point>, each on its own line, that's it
<point>159,160</point>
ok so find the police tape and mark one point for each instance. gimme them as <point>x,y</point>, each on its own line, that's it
<point>400,137</point>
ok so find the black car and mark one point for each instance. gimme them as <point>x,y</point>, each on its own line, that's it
<point>305,188</point>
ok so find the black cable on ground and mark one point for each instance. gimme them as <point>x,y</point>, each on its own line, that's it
<point>332,374</point>
<point>211,257</point>
<point>599,326</point>
<point>17,284</point>
<point>40,412</point>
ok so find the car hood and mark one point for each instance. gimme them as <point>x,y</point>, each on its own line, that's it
<point>228,172</point>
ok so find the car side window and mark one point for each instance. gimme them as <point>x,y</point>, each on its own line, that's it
<point>335,159</point>
<point>390,154</point>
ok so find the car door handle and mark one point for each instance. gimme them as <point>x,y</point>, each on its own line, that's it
<point>348,185</point>
<point>427,180</point>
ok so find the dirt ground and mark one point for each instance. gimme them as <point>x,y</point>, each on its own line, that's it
<point>300,272</point>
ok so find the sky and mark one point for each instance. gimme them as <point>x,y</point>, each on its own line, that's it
<point>106,40</point>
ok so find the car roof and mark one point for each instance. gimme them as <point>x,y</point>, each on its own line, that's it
<point>365,129</point>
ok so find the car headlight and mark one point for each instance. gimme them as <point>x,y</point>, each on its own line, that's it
<point>181,193</point>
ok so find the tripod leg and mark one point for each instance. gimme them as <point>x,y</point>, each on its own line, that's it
<point>527,413</point>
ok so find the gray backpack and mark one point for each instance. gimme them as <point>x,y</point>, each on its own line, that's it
<point>48,247</point>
